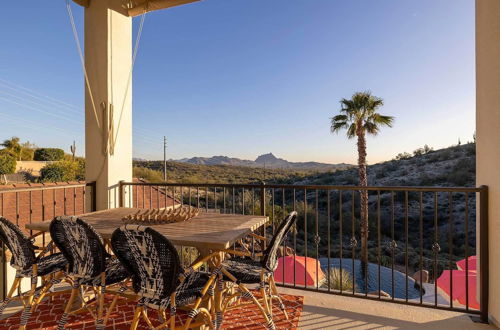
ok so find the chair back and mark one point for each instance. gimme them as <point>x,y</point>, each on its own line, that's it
<point>81,245</point>
<point>270,259</point>
<point>150,258</point>
<point>21,247</point>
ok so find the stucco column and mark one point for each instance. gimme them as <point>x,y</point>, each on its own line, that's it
<point>108,60</point>
<point>488,132</point>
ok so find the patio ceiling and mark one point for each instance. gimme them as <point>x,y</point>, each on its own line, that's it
<point>137,7</point>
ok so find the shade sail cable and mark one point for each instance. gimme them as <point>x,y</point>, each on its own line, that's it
<point>82,60</point>
<point>134,56</point>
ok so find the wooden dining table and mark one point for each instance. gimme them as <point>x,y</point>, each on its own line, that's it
<point>207,232</point>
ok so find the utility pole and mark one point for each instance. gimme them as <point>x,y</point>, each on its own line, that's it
<point>165,158</point>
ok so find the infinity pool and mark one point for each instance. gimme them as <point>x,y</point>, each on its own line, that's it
<point>385,278</point>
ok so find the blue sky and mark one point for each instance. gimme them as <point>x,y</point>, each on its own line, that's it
<point>241,78</point>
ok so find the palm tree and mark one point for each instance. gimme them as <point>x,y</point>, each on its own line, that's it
<point>359,116</point>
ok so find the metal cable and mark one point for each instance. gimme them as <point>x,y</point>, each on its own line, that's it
<point>82,60</point>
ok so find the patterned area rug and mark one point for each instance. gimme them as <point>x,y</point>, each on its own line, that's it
<point>48,313</point>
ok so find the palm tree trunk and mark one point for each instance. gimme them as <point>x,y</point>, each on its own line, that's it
<point>363,181</point>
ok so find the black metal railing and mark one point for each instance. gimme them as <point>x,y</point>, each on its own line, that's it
<point>23,205</point>
<point>411,229</point>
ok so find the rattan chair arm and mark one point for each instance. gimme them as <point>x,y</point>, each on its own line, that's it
<point>44,251</point>
<point>198,263</point>
<point>36,235</point>
<point>259,237</point>
<point>243,253</point>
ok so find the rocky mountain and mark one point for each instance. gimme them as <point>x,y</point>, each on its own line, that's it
<point>217,160</point>
<point>267,160</point>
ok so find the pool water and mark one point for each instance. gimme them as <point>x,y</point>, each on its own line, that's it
<point>373,278</point>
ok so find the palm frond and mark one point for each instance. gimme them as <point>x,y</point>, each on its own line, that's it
<point>371,128</point>
<point>337,126</point>
<point>339,118</point>
<point>351,131</point>
<point>382,120</point>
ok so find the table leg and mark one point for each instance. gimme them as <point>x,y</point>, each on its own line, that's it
<point>214,264</point>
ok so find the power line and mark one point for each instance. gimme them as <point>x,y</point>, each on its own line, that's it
<point>36,126</point>
<point>145,138</point>
<point>39,96</point>
<point>41,111</point>
<point>32,102</point>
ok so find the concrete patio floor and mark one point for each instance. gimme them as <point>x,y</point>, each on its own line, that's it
<point>325,311</point>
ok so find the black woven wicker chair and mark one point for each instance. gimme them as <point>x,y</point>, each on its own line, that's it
<point>159,279</point>
<point>89,266</point>
<point>244,267</point>
<point>29,265</point>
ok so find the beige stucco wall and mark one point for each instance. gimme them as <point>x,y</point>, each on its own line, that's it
<point>108,59</point>
<point>31,166</point>
<point>488,131</point>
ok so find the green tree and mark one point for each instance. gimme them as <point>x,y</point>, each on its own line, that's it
<point>7,163</point>
<point>13,146</point>
<point>49,154</point>
<point>62,171</point>
<point>359,116</point>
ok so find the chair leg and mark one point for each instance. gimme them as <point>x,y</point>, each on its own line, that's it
<point>173,316</point>
<point>26,315</point>
<point>137,317</point>
<point>11,292</point>
<point>275,293</point>
<point>64,318</point>
<point>248,295</point>
<point>7,300</point>
<point>263,286</point>
<point>100,303</point>
<point>110,309</point>
<point>146,317</point>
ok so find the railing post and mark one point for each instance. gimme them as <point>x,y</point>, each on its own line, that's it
<point>121,193</point>
<point>263,199</point>
<point>484,253</point>
<point>263,211</point>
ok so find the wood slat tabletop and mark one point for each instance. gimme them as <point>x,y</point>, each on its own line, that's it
<point>206,231</point>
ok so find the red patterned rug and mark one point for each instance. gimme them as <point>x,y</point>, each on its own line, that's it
<point>48,313</point>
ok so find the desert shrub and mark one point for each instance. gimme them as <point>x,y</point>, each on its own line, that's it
<point>470,149</point>
<point>335,283</point>
<point>27,154</point>
<point>428,149</point>
<point>402,156</point>
<point>7,163</point>
<point>390,166</point>
<point>426,180</point>
<point>350,178</point>
<point>61,171</point>
<point>49,154</point>
<point>462,173</point>
<point>80,170</point>
<point>147,174</point>
<point>418,152</point>
<point>423,151</point>
<point>445,154</point>
<point>380,174</point>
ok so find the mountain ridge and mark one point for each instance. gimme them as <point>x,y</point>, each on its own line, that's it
<point>268,160</point>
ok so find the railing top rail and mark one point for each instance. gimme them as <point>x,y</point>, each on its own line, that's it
<point>27,189</point>
<point>319,187</point>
